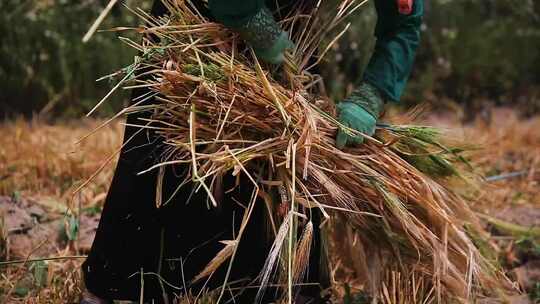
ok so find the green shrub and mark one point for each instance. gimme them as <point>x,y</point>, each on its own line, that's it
<point>43,62</point>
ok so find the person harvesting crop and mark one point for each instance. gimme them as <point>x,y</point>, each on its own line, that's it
<point>156,251</point>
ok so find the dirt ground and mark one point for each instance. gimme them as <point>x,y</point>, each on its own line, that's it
<point>41,166</point>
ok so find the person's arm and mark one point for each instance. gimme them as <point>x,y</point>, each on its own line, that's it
<point>256,25</point>
<point>234,13</point>
<point>398,36</point>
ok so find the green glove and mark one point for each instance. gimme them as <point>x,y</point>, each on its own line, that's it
<point>359,112</point>
<point>266,37</point>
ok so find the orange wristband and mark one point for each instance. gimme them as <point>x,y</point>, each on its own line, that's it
<point>405,7</point>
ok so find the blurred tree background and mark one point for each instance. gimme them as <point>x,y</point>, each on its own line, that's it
<point>44,66</point>
<point>473,52</point>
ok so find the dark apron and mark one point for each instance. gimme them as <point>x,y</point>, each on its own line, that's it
<point>177,240</point>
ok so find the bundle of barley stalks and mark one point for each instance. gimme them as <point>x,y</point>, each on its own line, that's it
<point>223,112</point>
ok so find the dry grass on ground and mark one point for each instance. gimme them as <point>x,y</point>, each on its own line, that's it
<point>39,160</point>
<point>40,166</point>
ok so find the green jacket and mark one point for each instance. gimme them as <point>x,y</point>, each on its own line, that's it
<point>397,35</point>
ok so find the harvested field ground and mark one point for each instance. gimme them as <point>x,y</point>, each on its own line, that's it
<point>41,165</point>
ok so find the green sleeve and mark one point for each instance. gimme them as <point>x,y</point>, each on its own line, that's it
<point>234,13</point>
<point>398,37</point>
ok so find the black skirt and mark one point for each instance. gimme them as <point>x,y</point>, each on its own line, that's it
<point>170,245</point>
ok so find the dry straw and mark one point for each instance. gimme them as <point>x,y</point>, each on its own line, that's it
<point>221,112</point>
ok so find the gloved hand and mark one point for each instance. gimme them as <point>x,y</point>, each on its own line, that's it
<point>266,37</point>
<point>359,112</point>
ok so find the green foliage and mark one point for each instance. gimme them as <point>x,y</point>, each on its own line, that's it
<point>16,197</point>
<point>93,211</point>
<point>528,246</point>
<point>43,62</point>
<point>534,295</point>
<point>482,243</point>
<point>480,49</point>
<point>211,71</point>
<point>421,147</point>
<point>21,291</point>
<point>72,227</point>
<point>40,271</point>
